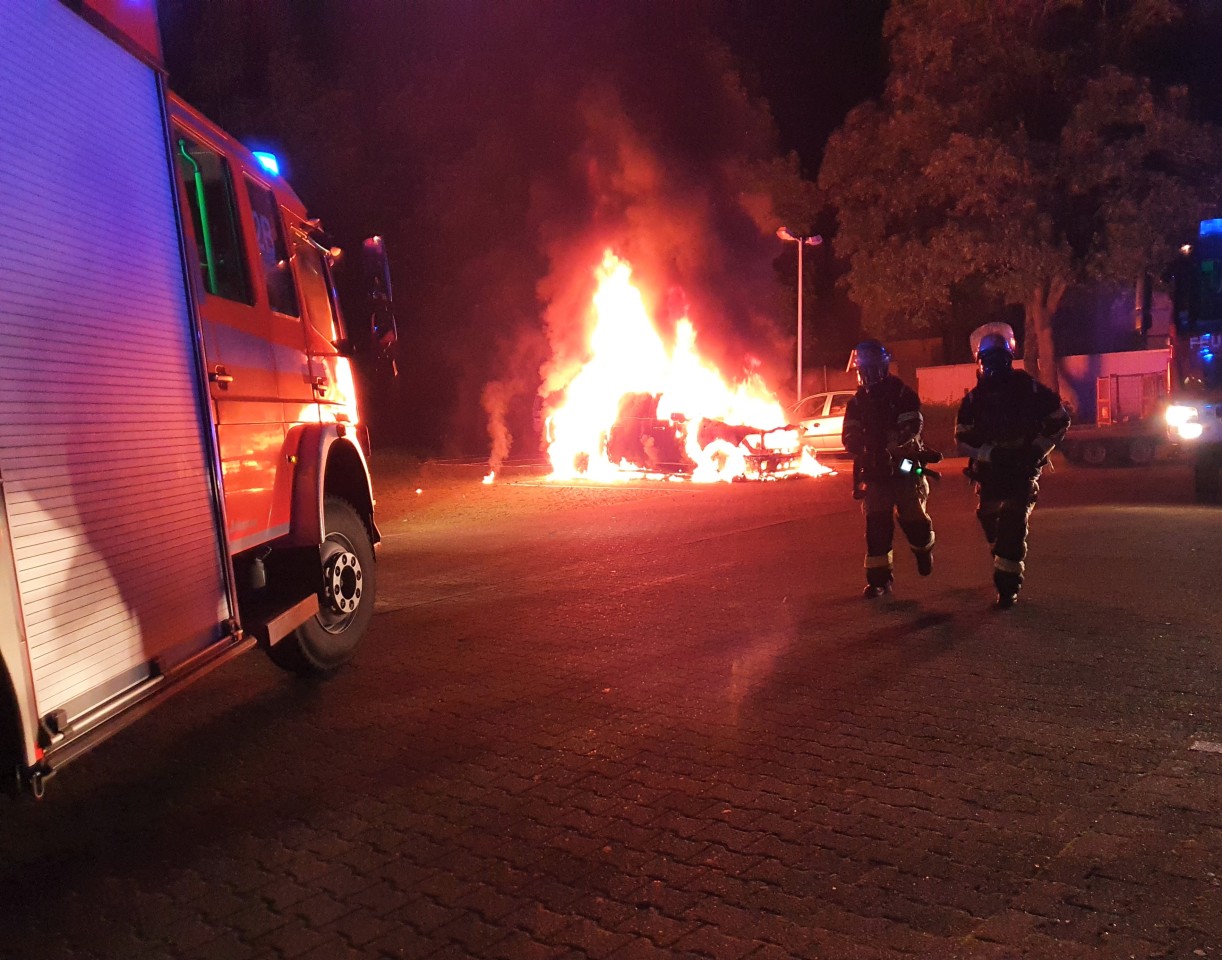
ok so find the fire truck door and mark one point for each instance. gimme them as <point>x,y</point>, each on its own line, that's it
<point>294,378</point>
<point>238,339</point>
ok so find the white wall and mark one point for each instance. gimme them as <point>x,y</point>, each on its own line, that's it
<point>947,384</point>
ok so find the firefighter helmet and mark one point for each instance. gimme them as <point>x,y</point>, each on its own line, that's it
<point>993,346</point>
<point>872,362</point>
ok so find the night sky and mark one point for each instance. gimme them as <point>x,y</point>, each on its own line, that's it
<point>812,60</point>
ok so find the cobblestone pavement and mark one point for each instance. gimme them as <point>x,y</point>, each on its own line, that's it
<point>659,722</point>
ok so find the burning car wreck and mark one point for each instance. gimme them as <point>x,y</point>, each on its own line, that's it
<point>639,402</point>
<point>643,443</point>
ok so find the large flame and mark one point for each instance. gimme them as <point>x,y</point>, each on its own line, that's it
<point>638,407</point>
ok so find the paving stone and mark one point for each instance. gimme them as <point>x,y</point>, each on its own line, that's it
<point>591,939</point>
<point>712,942</point>
<point>255,921</point>
<point>404,941</point>
<point>291,940</point>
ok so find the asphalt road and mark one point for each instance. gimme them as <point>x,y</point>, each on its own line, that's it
<point>658,721</point>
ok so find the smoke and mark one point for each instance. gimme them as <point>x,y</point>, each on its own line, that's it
<point>696,234</point>
<point>496,400</point>
<point>515,388</point>
<point>675,174</point>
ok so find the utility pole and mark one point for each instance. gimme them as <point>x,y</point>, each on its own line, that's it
<point>811,240</point>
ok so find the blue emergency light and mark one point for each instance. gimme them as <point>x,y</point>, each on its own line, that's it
<point>1211,228</point>
<point>271,164</point>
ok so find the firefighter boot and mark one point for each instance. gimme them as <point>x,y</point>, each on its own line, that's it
<point>924,557</point>
<point>875,590</point>
<point>1008,585</point>
<point>878,577</point>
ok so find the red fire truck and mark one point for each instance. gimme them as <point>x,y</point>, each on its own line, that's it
<point>183,468</point>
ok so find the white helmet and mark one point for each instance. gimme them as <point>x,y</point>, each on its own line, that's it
<point>1003,330</point>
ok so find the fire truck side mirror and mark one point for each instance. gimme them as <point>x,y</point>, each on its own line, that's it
<point>383,331</point>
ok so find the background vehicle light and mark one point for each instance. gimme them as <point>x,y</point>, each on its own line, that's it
<point>1178,414</point>
<point>1190,431</point>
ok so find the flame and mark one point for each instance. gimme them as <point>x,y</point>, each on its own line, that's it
<point>638,407</point>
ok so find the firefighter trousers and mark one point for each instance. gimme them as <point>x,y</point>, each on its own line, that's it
<point>886,501</point>
<point>1004,512</point>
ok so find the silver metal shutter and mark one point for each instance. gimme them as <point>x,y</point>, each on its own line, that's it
<point>102,450</point>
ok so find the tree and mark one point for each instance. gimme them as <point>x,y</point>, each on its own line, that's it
<point>1018,148</point>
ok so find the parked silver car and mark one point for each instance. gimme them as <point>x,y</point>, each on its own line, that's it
<point>821,417</point>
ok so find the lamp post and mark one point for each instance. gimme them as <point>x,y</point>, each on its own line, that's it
<point>812,240</point>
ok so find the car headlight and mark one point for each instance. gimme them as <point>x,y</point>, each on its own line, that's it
<point>1190,430</point>
<point>1178,414</point>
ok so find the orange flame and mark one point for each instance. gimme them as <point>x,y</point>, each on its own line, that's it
<point>722,431</point>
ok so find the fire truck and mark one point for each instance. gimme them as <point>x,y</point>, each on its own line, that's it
<point>183,467</point>
<point>1194,410</point>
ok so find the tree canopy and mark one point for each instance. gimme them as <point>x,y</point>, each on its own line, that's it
<point>1018,149</point>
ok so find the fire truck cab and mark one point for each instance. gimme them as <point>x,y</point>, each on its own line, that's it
<point>183,468</point>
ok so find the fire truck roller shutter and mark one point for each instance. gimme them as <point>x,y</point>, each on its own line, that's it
<point>104,448</point>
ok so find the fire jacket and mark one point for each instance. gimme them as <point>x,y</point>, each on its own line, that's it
<point>1008,425</point>
<point>881,418</point>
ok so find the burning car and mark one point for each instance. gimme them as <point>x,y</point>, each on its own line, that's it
<point>639,406</point>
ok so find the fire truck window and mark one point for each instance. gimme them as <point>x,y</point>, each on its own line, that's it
<point>273,254</point>
<point>315,287</point>
<point>208,187</point>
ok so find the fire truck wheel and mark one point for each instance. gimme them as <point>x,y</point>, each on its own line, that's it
<point>1142,450</point>
<point>327,641</point>
<point>1095,453</point>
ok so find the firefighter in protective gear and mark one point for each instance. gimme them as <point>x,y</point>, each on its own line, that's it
<point>882,430</point>
<point>1007,424</point>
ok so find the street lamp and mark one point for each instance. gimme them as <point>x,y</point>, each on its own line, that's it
<point>813,240</point>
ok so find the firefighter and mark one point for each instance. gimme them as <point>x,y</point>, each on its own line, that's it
<point>882,430</point>
<point>1007,425</point>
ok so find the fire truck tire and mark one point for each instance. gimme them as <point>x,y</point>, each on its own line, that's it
<point>328,640</point>
<point>1142,450</point>
<point>1095,453</point>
